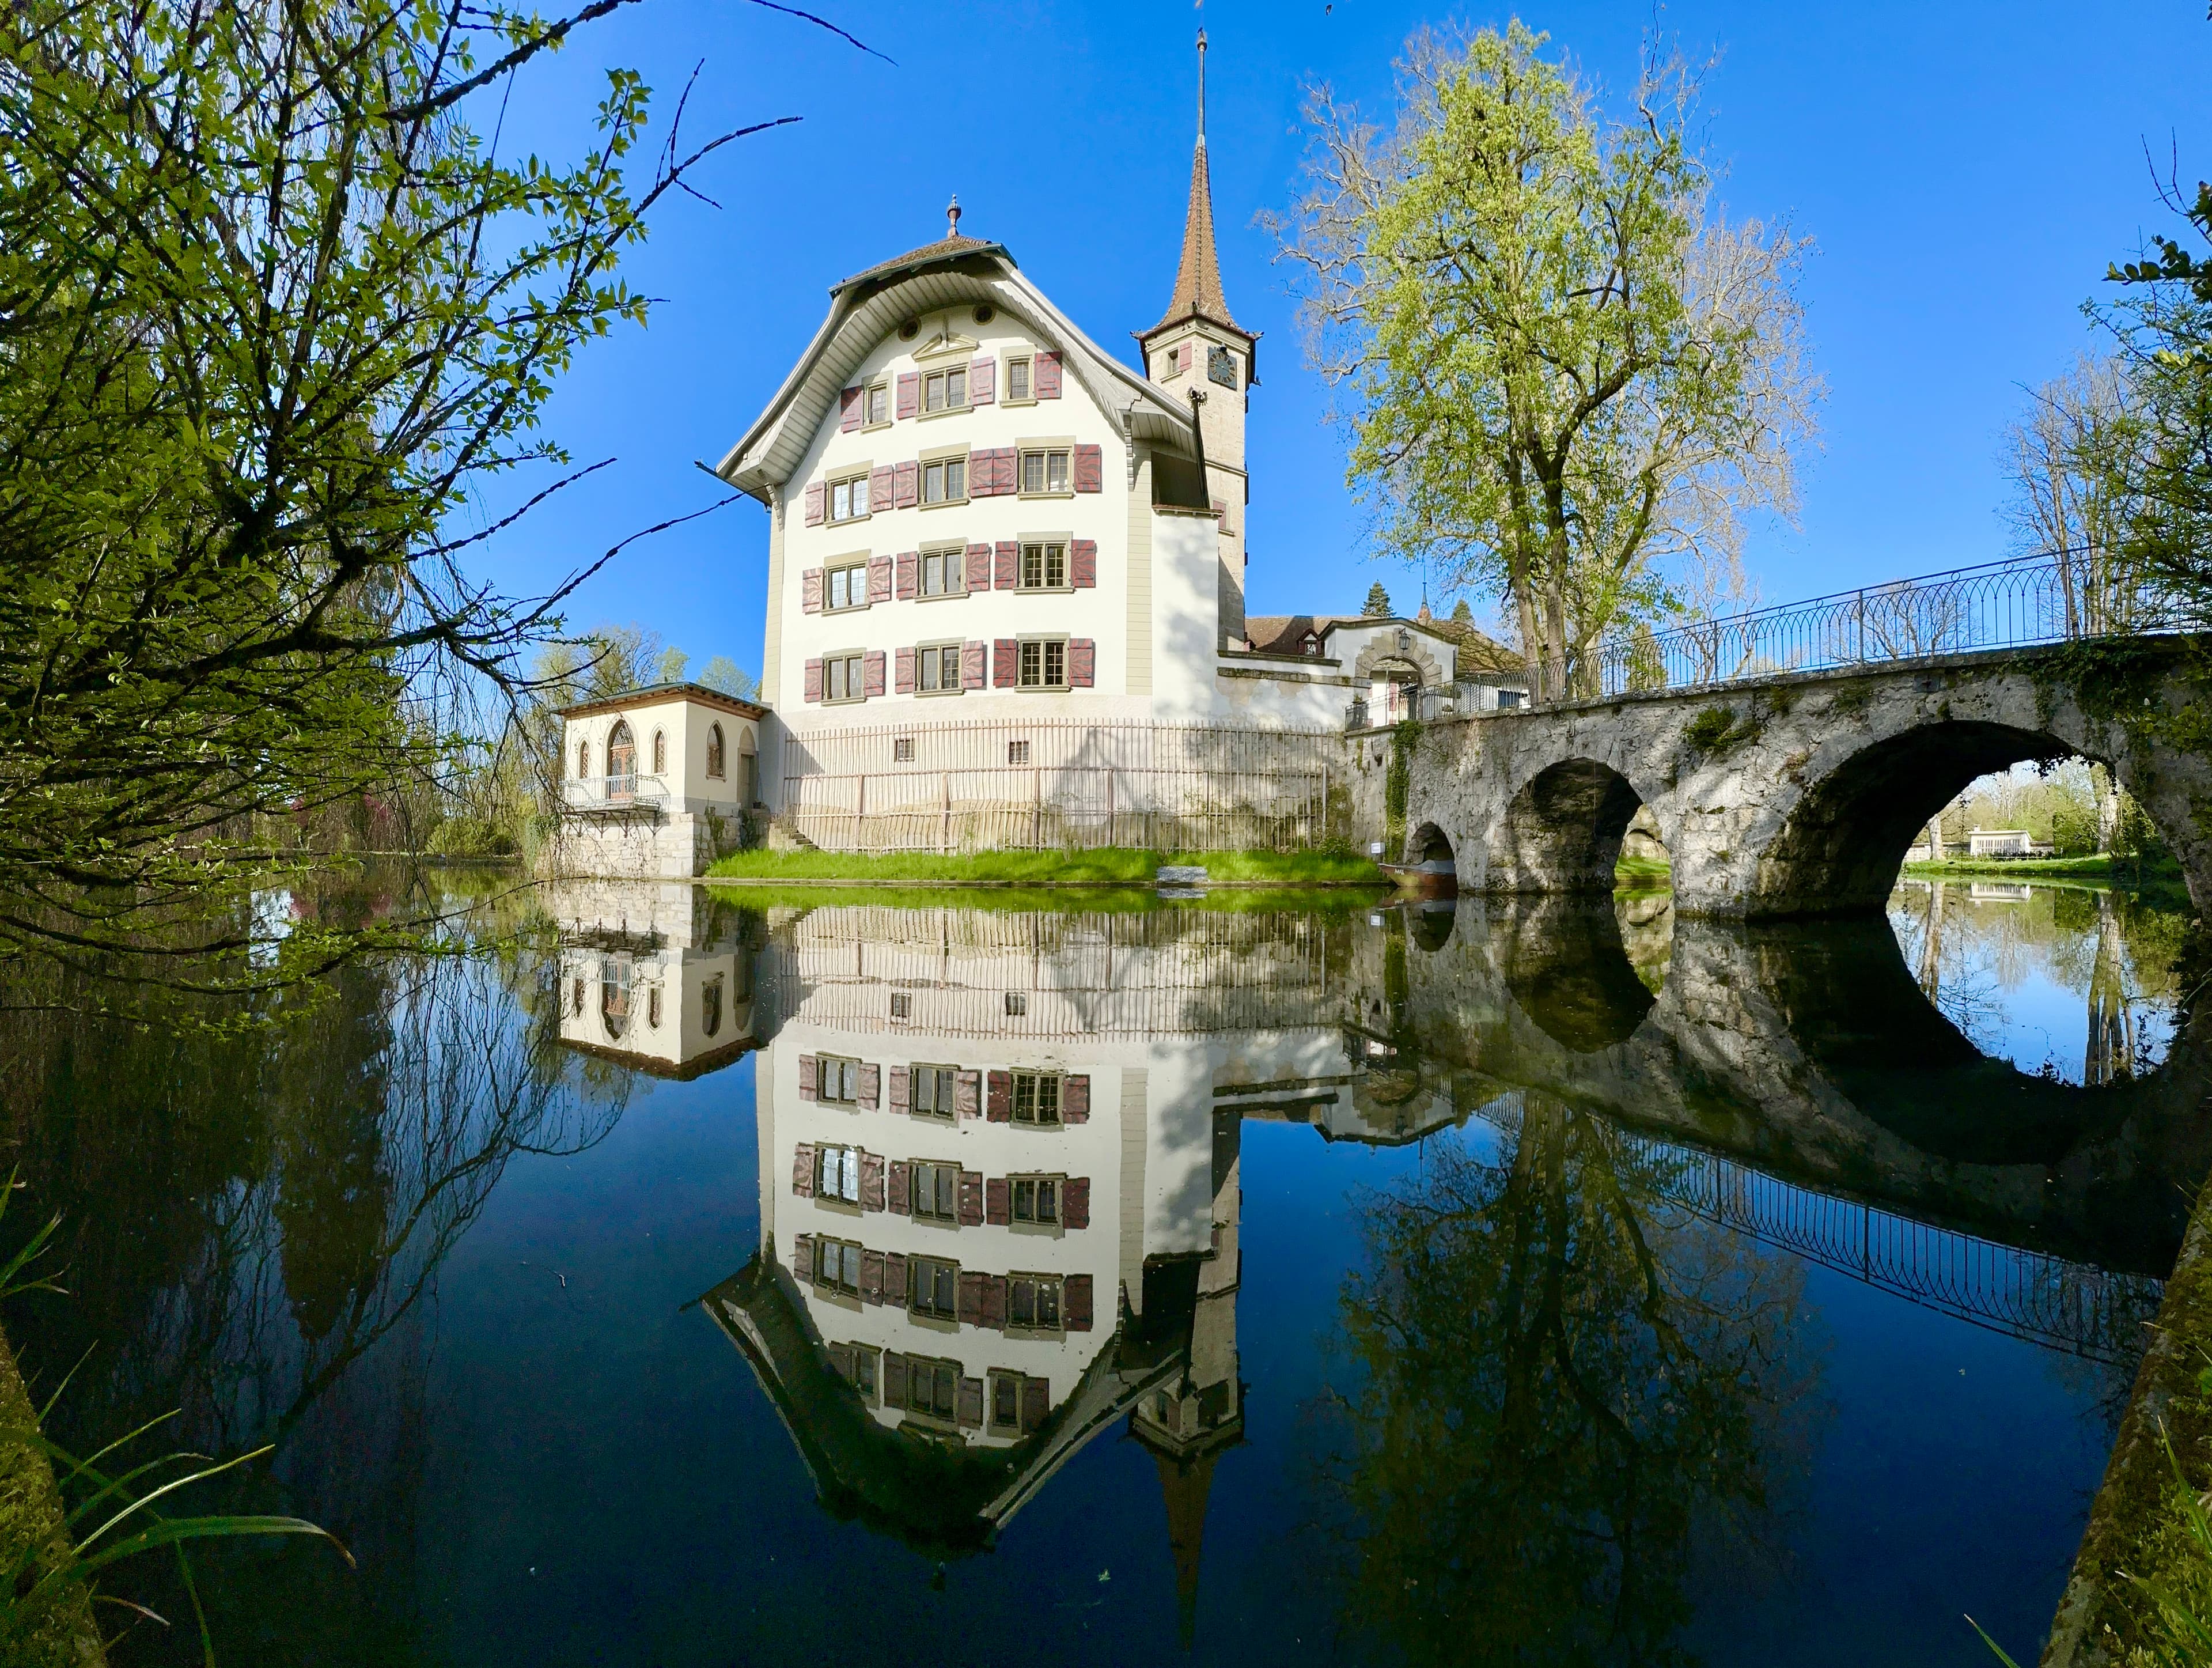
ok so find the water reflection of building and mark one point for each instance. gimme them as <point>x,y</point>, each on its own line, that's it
<point>653,974</point>
<point>1001,1194</point>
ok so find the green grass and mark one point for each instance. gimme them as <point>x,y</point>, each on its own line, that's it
<point>2091,868</point>
<point>1045,900</point>
<point>1111,866</point>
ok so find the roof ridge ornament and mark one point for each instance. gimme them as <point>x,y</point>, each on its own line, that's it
<point>952,217</point>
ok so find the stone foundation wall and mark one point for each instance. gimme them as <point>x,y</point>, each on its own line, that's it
<point>647,845</point>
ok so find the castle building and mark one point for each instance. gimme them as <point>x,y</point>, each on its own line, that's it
<point>1001,559</point>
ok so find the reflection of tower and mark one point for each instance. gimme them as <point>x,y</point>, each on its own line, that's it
<point>2111,1050</point>
<point>1188,1424</point>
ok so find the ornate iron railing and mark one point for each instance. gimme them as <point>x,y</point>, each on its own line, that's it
<point>2024,602</point>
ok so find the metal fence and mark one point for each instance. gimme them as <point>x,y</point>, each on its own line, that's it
<point>2047,598</point>
<point>1061,785</point>
<point>2072,1306</point>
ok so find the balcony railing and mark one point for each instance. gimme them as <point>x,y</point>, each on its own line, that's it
<point>617,793</point>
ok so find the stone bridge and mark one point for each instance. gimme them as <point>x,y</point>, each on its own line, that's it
<point>1794,794</point>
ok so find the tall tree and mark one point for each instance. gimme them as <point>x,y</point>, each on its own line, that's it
<point>278,321</point>
<point>1377,605</point>
<point>1562,365</point>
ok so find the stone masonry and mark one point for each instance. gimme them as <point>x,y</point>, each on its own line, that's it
<point>1792,795</point>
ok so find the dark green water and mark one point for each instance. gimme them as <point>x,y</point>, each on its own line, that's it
<point>1543,1283</point>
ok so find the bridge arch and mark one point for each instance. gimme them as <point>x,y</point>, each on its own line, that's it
<point>1841,844</point>
<point>1562,831</point>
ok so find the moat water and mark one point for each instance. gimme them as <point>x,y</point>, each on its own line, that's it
<point>666,1282</point>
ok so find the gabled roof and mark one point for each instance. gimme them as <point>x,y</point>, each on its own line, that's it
<point>1472,650</point>
<point>651,692</point>
<point>864,308</point>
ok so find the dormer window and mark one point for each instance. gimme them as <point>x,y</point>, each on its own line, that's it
<point>1313,643</point>
<point>945,390</point>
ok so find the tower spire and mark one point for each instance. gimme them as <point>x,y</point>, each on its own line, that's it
<point>1198,275</point>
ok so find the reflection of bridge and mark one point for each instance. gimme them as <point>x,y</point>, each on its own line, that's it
<point>2025,1294</point>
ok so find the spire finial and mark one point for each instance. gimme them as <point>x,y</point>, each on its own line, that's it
<point>1201,83</point>
<point>952,217</point>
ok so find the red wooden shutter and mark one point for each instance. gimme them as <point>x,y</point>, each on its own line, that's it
<point>1183,356</point>
<point>810,591</point>
<point>848,410</point>
<point>909,574</point>
<point>802,1170</point>
<point>971,1198</point>
<point>1075,1100</point>
<point>906,492</point>
<point>813,692</point>
<point>802,1256</point>
<point>982,382</point>
<point>895,1278</point>
<point>1010,565</point>
<point>1009,468</point>
<point>1075,1302</point>
<point>872,1083</point>
<point>994,1300</point>
<point>879,579</point>
<point>998,1201</point>
<point>902,684</point>
<point>900,1188</point>
<point>1004,653</point>
<point>1083,563</point>
<point>883,487</point>
<point>971,1390</point>
<point>806,1079</point>
<point>894,1375</point>
<point>1036,1403</point>
<point>968,1307</point>
<point>968,1087</point>
<point>1044,377</point>
<point>1089,468</point>
<point>1082,663</point>
<point>972,656</point>
<point>872,674</point>
<point>902,1091</point>
<point>983,473</point>
<point>871,1276</point>
<point>1001,1097</point>
<point>910,392</point>
<point>979,567</point>
<point>872,1181</point>
<point>1075,1202</point>
<point>814,505</point>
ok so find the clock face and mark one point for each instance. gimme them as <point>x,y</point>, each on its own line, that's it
<point>1221,367</point>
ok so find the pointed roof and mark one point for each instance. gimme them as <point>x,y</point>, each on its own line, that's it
<point>1198,275</point>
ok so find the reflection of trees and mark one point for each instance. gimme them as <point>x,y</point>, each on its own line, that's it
<point>1564,1387</point>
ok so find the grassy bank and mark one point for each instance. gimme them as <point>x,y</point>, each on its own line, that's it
<point>2125,870</point>
<point>34,1536</point>
<point>1035,900</point>
<point>1110,866</point>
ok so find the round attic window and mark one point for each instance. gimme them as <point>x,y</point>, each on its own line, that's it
<point>985,313</point>
<point>908,329</point>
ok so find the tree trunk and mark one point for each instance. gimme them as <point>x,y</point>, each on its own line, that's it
<point>2108,809</point>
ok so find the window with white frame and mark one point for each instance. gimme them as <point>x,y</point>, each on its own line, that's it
<point>1018,1004</point>
<point>837,1081</point>
<point>837,1264</point>
<point>902,750</point>
<point>837,1174</point>
<point>945,390</point>
<point>876,405</point>
<point>1018,753</point>
<point>937,669</point>
<point>848,498</point>
<point>845,586</point>
<point>931,1091</point>
<point>844,677</point>
<point>933,1287</point>
<point>1033,1301</point>
<point>1044,472</point>
<point>1017,380</point>
<point>1044,565</point>
<point>945,571</point>
<point>1036,1200</point>
<point>902,1004</point>
<point>1043,663</point>
<point>1036,1097</point>
<point>933,1192</point>
<point>944,480</point>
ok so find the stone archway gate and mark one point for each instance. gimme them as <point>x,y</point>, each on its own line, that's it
<point>1787,795</point>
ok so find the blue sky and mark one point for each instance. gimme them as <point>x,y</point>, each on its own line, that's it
<point>1966,170</point>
